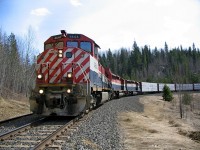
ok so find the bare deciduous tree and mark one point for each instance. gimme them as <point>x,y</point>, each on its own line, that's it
<point>16,64</point>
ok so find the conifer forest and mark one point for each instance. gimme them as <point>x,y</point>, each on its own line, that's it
<point>164,65</point>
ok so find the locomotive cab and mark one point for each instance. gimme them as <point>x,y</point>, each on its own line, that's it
<point>72,40</point>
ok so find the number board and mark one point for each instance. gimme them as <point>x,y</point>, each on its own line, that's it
<point>74,36</point>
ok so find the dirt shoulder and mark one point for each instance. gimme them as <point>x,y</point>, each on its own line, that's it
<point>13,108</point>
<point>158,127</point>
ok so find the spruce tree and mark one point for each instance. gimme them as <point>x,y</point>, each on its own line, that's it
<point>167,94</point>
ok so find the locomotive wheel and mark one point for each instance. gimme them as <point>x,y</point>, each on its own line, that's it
<point>94,103</point>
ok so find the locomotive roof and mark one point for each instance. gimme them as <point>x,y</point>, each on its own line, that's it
<point>71,36</point>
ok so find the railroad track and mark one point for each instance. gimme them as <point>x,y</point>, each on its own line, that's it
<point>56,137</point>
<point>13,123</point>
<point>11,139</point>
<point>40,134</point>
<point>15,118</point>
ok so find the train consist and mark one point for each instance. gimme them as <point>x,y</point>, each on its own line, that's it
<point>70,79</point>
<point>146,87</point>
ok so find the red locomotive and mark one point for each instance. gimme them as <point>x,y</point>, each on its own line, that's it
<point>70,79</point>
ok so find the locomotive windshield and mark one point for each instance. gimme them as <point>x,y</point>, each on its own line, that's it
<point>72,44</point>
<point>59,45</point>
<point>87,46</point>
<point>51,45</point>
<point>48,46</point>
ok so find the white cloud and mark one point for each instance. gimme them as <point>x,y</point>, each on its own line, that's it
<point>40,12</point>
<point>75,2</point>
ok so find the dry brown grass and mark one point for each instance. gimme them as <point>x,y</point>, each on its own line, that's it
<point>13,108</point>
<point>158,127</point>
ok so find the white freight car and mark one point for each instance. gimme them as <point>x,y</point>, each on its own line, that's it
<point>161,86</point>
<point>149,87</point>
<point>196,86</point>
<point>184,87</point>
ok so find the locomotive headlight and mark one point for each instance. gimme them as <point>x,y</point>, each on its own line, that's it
<point>69,74</point>
<point>39,76</point>
<point>41,91</point>
<point>68,90</point>
<point>60,55</point>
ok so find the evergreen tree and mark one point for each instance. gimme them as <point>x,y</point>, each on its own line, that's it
<point>110,60</point>
<point>167,94</point>
<point>103,60</point>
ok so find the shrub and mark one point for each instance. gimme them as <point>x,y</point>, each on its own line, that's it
<point>167,94</point>
<point>187,98</point>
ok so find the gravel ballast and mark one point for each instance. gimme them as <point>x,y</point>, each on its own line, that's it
<point>101,129</point>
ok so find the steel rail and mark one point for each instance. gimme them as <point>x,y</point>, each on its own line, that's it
<point>18,130</point>
<point>15,118</point>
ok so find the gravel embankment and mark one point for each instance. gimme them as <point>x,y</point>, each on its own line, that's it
<point>101,129</point>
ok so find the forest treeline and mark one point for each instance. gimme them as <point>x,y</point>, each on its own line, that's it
<point>177,65</point>
<point>17,73</point>
<point>18,55</point>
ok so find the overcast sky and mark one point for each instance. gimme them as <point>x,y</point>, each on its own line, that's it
<point>111,23</point>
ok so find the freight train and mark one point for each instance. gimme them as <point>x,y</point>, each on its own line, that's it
<point>71,80</point>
